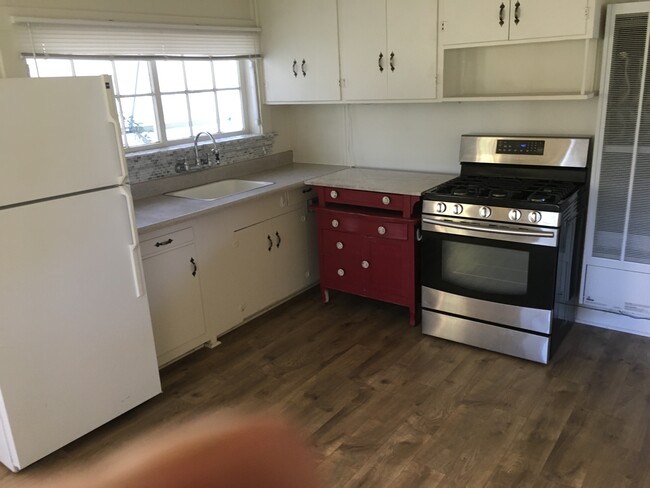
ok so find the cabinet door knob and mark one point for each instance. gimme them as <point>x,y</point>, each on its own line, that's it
<point>385,200</point>
<point>339,245</point>
<point>335,223</point>
<point>380,62</point>
<point>194,266</point>
<point>293,68</point>
<point>517,13</point>
<point>334,194</point>
<point>502,9</point>
<point>365,264</point>
<point>391,61</point>
<point>302,68</point>
<point>279,239</point>
<point>340,272</point>
<point>270,243</point>
<point>164,243</point>
<point>381,230</point>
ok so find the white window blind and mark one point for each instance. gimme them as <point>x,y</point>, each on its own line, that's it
<point>58,37</point>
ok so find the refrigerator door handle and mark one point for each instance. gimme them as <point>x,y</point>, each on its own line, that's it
<point>112,119</point>
<point>136,262</point>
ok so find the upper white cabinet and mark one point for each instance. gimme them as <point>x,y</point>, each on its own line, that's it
<point>481,21</point>
<point>387,49</point>
<point>300,49</point>
<point>518,49</point>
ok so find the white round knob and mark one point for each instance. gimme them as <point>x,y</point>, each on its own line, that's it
<point>441,207</point>
<point>381,230</point>
<point>385,200</point>
<point>534,217</point>
<point>334,194</point>
<point>335,223</point>
<point>514,214</point>
<point>340,272</point>
<point>365,264</point>
<point>485,212</point>
<point>339,245</point>
<point>457,209</point>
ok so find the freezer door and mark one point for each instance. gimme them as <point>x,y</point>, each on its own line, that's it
<point>58,136</point>
<point>76,343</point>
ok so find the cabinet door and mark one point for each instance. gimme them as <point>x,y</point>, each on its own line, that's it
<point>388,273</point>
<point>538,19</point>
<point>472,21</point>
<point>411,49</point>
<point>273,259</point>
<point>364,60</point>
<point>300,46</point>
<point>174,293</point>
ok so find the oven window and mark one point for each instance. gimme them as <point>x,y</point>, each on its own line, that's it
<point>485,269</point>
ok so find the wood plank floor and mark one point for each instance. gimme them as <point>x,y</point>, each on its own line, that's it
<point>385,406</point>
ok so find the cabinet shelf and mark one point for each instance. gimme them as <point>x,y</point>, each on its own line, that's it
<point>549,70</point>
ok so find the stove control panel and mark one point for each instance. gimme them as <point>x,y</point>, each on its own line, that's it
<point>519,146</point>
<point>493,214</point>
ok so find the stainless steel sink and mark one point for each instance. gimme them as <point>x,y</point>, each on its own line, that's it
<point>219,189</point>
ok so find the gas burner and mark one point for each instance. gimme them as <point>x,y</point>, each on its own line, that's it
<point>541,198</point>
<point>460,192</point>
<point>498,194</point>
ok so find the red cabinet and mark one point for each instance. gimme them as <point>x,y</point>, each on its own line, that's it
<point>367,245</point>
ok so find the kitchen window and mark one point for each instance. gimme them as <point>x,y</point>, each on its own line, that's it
<point>163,102</point>
<point>171,82</point>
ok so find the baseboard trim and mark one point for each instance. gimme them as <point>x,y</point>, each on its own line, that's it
<point>613,321</point>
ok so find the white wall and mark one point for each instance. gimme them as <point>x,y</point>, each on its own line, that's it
<point>420,137</point>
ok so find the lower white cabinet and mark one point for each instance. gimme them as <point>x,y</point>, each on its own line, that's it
<point>172,274</point>
<point>274,258</point>
<point>210,274</point>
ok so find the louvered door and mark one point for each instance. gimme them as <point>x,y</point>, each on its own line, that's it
<point>617,252</point>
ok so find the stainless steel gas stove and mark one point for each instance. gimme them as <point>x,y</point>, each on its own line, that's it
<point>502,244</point>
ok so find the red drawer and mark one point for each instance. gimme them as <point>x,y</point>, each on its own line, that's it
<point>359,198</point>
<point>364,224</point>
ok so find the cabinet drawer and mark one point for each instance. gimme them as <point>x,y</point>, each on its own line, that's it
<point>387,201</point>
<point>363,224</point>
<point>166,242</point>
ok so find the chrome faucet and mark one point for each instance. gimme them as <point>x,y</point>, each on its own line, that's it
<point>214,150</point>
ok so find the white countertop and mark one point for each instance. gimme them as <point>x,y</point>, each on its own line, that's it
<point>161,211</point>
<point>382,180</point>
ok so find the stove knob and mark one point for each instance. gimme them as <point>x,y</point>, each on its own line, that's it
<point>514,214</point>
<point>457,209</point>
<point>485,212</point>
<point>441,207</point>
<point>534,217</point>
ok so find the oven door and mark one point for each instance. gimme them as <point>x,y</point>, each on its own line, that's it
<point>497,273</point>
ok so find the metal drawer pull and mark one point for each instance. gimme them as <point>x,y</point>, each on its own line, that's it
<point>385,200</point>
<point>335,223</point>
<point>293,67</point>
<point>339,245</point>
<point>277,235</point>
<point>194,266</point>
<point>365,264</point>
<point>340,272</point>
<point>164,243</point>
<point>270,243</point>
<point>379,62</point>
<point>391,63</point>
<point>381,230</point>
<point>517,12</point>
<point>502,8</point>
<point>334,194</point>
<point>302,68</point>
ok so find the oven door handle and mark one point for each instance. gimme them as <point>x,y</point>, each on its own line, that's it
<point>475,228</point>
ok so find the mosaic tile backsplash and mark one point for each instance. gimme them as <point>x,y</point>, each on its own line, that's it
<point>160,163</point>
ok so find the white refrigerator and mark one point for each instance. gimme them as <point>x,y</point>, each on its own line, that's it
<point>76,343</point>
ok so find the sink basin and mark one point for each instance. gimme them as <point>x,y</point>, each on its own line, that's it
<point>219,189</point>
